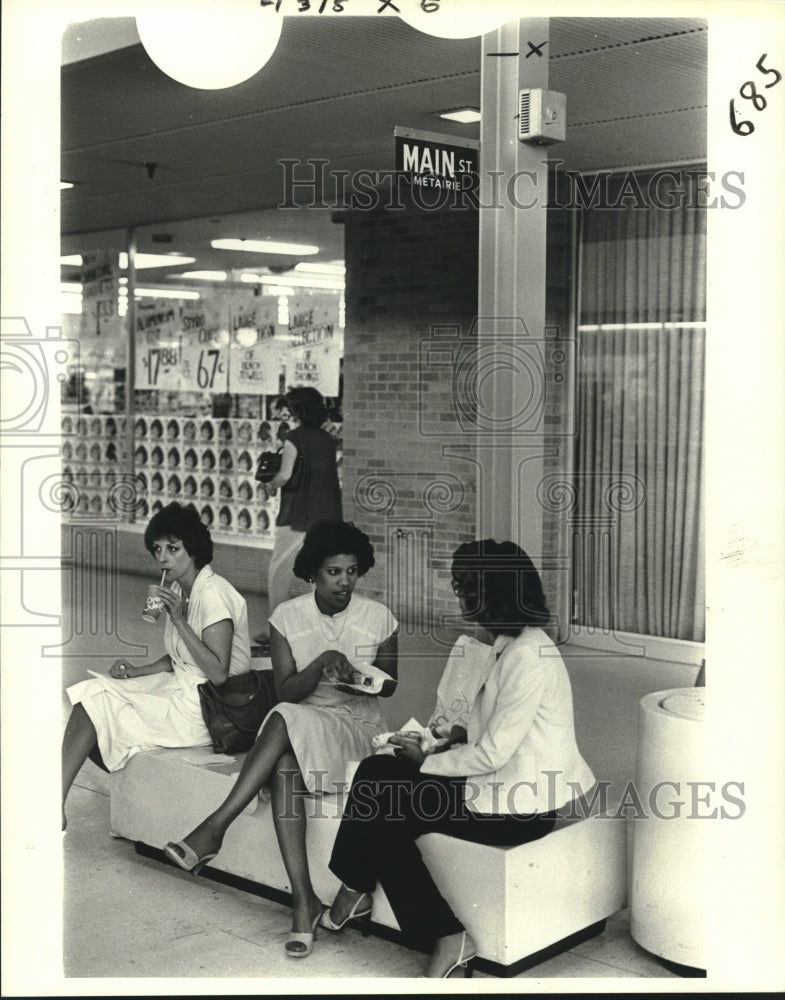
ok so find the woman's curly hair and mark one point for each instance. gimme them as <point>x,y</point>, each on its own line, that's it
<point>181,521</point>
<point>333,538</point>
<point>307,405</point>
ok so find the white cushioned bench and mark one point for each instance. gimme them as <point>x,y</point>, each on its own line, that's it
<point>521,904</point>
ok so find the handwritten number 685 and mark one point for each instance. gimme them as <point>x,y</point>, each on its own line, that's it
<point>750,92</point>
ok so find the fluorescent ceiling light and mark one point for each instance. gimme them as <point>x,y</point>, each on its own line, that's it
<point>166,293</point>
<point>265,246</point>
<point>594,328</point>
<point>294,281</point>
<point>337,270</point>
<point>141,260</point>
<point>154,260</point>
<point>200,275</point>
<point>464,115</point>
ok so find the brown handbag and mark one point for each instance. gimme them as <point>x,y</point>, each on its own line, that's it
<point>234,710</point>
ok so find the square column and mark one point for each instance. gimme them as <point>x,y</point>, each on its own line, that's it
<point>509,383</point>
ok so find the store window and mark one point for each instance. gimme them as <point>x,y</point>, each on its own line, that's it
<point>210,363</point>
<point>638,541</point>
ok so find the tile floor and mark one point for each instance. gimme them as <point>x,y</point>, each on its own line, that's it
<point>129,917</point>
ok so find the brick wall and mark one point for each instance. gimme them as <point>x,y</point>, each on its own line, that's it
<point>411,280</point>
<point>410,301</point>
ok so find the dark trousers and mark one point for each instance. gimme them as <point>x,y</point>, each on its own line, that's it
<point>390,805</point>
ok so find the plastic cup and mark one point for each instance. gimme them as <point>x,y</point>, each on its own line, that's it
<point>153,605</point>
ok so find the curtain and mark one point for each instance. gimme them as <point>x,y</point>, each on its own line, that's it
<point>638,533</point>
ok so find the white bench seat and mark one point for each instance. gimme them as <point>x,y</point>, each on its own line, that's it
<point>520,904</point>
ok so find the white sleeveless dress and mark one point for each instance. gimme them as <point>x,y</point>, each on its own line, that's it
<point>329,728</point>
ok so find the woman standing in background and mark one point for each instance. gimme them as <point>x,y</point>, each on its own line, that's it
<point>308,480</point>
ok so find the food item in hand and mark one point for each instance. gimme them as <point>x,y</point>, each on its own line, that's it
<point>369,681</point>
<point>361,679</point>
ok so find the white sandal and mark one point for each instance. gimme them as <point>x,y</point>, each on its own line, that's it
<point>354,914</point>
<point>304,938</point>
<point>462,961</point>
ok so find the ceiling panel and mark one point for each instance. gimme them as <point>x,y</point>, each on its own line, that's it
<point>629,83</point>
<point>571,36</point>
<point>678,139</point>
<point>87,39</point>
<point>344,127</point>
<point>315,62</point>
<point>335,89</point>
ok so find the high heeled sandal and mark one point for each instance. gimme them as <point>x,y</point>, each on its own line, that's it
<point>364,916</point>
<point>304,938</point>
<point>180,854</point>
<point>463,961</point>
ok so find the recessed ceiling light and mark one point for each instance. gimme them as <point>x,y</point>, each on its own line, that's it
<point>265,246</point>
<point>465,115</point>
<point>200,275</point>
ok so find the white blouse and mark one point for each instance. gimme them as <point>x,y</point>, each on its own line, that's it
<point>521,755</point>
<point>357,632</point>
<point>212,599</point>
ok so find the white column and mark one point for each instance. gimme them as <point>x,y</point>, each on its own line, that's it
<point>510,389</point>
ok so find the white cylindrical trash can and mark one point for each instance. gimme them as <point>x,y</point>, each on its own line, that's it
<point>671,827</point>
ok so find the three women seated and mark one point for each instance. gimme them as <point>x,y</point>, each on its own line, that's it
<point>506,762</point>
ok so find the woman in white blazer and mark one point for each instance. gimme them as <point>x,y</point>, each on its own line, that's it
<point>519,764</point>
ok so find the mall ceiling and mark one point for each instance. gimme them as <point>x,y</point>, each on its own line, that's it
<point>335,89</point>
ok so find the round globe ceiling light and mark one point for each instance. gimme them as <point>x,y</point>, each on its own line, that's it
<point>209,47</point>
<point>458,18</point>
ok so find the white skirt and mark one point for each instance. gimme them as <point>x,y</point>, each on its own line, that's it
<point>326,739</point>
<point>141,713</point>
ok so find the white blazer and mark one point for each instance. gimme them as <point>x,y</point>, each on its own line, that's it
<point>521,756</point>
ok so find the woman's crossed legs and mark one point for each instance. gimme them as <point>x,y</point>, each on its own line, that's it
<point>271,760</point>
